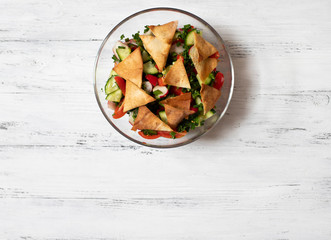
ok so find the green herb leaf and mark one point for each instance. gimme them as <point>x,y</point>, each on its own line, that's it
<point>149,132</point>
<point>115,58</point>
<point>157,92</point>
<point>122,37</point>
<point>121,47</point>
<point>146,29</point>
<point>173,135</point>
<point>137,39</point>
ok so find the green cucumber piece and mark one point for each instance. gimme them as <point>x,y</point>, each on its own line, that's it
<point>166,70</point>
<point>111,85</point>
<point>146,57</point>
<point>199,119</point>
<point>163,116</point>
<point>198,100</point>
<point>189,40</point>
<point>123,52</point>
<point>176,35</point>
<point>113,73</point>
<point>115,96</point>
<point>208,114</point>
<point>149,68</point>
<point>207,80</point>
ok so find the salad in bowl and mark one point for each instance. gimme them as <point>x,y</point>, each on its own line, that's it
<point>165,80</point>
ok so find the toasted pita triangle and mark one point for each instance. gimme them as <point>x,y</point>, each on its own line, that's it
<point>157,49</point>
<point>165,32</point>
<point>175,115</point>
<point>205,67</point>
<point>209,97</point>
<point>135,97</point>
<point>177,75</point>
<point>131,68</point>
<point>147,120</point>
<point>205,49</point>
<point>182,101</point>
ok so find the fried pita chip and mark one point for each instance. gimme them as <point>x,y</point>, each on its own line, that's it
<point>157,49</point>
<point>175,115</point>
<point>135,97</point>
<point>209,97</point>
<point>204,48</point>
<point>165,32</point>
<point>131,68</point>
<point>177,75</point>
<point>182,101</point>
<point>205,67</point>
<point>147,120</point>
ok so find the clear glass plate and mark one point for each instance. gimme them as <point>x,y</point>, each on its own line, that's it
<point>136,22</point>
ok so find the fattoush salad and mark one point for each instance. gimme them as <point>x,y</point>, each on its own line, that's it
<point>165,80</point>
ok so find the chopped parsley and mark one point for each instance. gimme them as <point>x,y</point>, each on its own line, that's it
<point>115,58</point>
<point>192,122</point>
<point>199,106</point>
<point>149,132</point>
<point>134,112</point>
<point>122,36</point>
<point>146,29</point>
<point>173,135</point>
<point>121,47</point>
<point>157,92</point>
<point>137,39</point>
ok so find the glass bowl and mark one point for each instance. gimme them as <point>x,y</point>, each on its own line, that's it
<point>136,22</point>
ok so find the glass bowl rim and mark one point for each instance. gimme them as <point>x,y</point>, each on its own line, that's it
<point>151,10</point>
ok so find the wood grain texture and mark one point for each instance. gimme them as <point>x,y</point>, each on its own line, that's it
<point>263,173</point>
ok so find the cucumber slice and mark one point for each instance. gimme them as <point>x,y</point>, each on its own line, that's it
<point>163,116</point>
<point>111,85</point>
<point>208,114</point>
<point>146,57</point>
<point>123,52</point>
<point>113,73</point>
<point>207,80</point>
<point>149,68</point>
<point>199,119</point>
<point>115,96</point>
<point>166,70</point>
<point>198,100</point>
<point>176,35</point>
<point>189,40</point>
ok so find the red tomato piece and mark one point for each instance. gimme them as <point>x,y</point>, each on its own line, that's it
<point>152,79</point>
<point>180,57</point>
<point>215,55</point>
<point>177,90</point>
<point>194,109</point>
<point>178,40</point>
<point>161,81</point>
<point>219,80</point>
<point>149,136</point>
<point>118,113</point>
<point>121,83</point>
<point>192,27</point>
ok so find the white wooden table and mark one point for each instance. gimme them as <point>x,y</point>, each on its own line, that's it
<point>263,173</point>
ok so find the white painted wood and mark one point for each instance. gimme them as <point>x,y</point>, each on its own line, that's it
<point>263,173</point>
